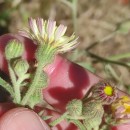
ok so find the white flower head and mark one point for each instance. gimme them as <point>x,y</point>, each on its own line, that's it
<point>46,32</point>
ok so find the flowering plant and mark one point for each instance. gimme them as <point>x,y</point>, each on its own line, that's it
<point>35,80</point>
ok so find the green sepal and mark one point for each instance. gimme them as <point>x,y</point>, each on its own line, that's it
<point>45,54</point>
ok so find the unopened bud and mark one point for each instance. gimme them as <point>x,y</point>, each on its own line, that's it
<point>13,49</point>
<point>93,112</point>
<point>74,107</point>
<point>20,67</point>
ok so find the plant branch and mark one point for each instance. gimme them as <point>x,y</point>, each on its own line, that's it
<point>74,14</point>
<point>17,95</point>
<point>33,84</point>
<point>6,86</point>
<point>120,56</point>
<point>78,124</point>
<point>101,41</point>
<point>107,60</point>
<point>58,120</point>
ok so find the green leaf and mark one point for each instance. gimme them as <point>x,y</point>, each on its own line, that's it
<point>124,28</point>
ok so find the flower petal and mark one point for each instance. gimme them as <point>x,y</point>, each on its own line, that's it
<point>50,28</point>
<point>60,31</point>
<point>33,26</point>
<point>40,25</point>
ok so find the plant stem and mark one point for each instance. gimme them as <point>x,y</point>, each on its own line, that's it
<point>74,14</point>
<point>18,85</point>
<point>119,56</point>
<point>75,117</point>
<point>33,85</point>
<point>113,73</point>
<point>57,121</point>
<point>78,124</point>
<point>101,41</point>
<point>12,75</point>
<point>7,86</point>
<point>73,6</point>
<point>17,94</point>
<point>107,60</point>
<point>68,3</point>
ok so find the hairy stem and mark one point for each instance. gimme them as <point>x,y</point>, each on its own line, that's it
<point>7,86</point>
<point>78,124</point>
<point>18,85</point>
<point>57,121</point>
<point>17,95</point>
<point>33,85</point>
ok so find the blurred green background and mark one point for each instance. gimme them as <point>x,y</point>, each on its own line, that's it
<point>102,27</point>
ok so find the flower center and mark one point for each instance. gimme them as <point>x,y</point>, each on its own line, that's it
<point>108,90</point>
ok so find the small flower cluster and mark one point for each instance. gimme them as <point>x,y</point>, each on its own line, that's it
<point>107,94</point>
<point>88,113</point>
<point>46,32</point>
<point>85,114</point>
<point>121,110</point>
